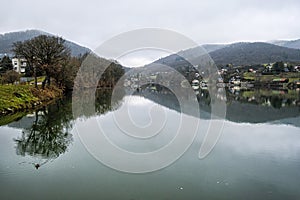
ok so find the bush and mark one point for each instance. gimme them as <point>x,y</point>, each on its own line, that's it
<point>10,77</point>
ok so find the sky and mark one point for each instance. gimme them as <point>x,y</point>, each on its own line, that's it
<point>91,22</point>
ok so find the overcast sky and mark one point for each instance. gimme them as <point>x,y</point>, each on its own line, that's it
<point>91,22</point>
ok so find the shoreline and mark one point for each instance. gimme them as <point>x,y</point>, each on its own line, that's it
<point>21,98</point>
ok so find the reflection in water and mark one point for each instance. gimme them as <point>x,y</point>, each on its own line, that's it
<point>49,134</point>
<point>275,98</point>
<point>88,103</point>
<point>104,101</point>
<point>259,160</point>
<point>261,105</point>
<point>252,106</point>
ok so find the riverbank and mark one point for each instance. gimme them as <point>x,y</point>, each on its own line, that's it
<point>18,98</point>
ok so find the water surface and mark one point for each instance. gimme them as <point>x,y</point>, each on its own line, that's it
<point>256,157</point>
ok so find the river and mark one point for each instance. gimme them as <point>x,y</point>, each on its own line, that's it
<point>48,154</point>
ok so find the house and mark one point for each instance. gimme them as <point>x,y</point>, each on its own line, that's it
<point>269,67</point>
<point>19,65</point>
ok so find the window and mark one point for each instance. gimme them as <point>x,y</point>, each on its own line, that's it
<point>23,63</point>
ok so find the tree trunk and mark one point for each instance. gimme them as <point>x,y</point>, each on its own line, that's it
<point>46,80</point>
<point>35,77</point>
<point>48,77</point>
<point>44,83</point>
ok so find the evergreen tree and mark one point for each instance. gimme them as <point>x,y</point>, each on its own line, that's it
<point>5,64</point>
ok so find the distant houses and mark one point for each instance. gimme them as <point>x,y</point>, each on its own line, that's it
<point>19,65</point>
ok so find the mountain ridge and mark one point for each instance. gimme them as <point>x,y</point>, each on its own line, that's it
<point>294,44</point>
<point>241,53</point>
<point>238,54</point>
<point>254,53</point>
<point>7,40</point>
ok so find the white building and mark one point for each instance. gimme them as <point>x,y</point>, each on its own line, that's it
<point>19,65</point>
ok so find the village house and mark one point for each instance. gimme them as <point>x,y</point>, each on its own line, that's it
<point>19,65</point>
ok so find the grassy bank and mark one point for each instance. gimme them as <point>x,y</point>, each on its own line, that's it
<point>268,78</point>
<point>15,98</point>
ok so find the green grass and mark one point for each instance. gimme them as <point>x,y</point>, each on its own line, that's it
<point>16,97</point>
<point>267,78</point>
<point>11,118</point>
<point>39,79</point>
<point>293,79</point>
<point>21,97</point>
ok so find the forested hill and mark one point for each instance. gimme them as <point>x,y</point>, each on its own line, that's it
<point>238,54</point>
<point>295,44</point>
<point>7,40</point>
<point>254,53</point>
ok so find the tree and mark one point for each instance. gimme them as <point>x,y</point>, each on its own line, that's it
<point>291,67</point>
<point>10,77</point>
<point>5,64</point>
<point>278,67</point>
<point>111,75</point>
<point>68,73</point>
<point>47,53</point>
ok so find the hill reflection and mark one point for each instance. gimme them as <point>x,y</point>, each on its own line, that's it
<point>250,106</point>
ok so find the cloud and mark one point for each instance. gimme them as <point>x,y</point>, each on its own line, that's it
<point>141,57</point>
<point>92,21</point>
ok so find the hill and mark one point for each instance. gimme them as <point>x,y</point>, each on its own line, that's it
<point>254,53</point>
<point>213,47</point>
<point>237,54</point>
<point>294,44</point>
<point>7,40</point>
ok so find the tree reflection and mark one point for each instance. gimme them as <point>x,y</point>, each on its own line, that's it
<point>104,101</point>
<point>243,105</point>
<point>273,98</point>
<point>85,105</point>
<point>49,135</point>
<point>276,102</point>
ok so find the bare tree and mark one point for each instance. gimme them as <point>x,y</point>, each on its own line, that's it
<point>44,52</point>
